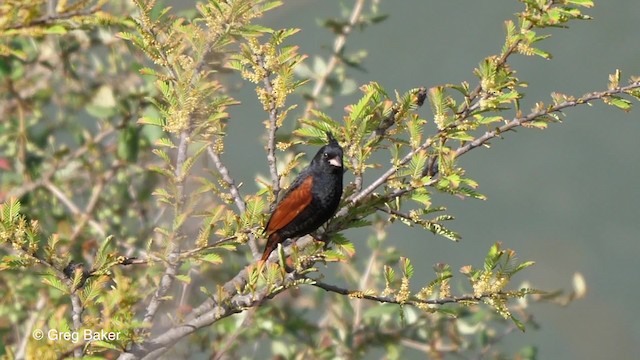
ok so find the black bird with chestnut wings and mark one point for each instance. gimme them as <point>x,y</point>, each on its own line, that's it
<point>310,201</point>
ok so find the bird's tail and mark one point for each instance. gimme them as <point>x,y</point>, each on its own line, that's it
<point>272,243</point>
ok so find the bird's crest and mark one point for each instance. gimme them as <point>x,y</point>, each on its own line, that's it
<point>332,140</point>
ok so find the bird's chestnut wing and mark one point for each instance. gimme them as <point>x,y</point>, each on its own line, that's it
<point>296,200</point>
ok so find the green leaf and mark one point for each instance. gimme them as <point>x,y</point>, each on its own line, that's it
<point>212,258</point>
<point>518,323</point>
<point>102,253</point>
<point>620,103</point>
<point>470,193</point>
<point>389,274</point>
<point>255,30</point>
<point>343,244</point>
<point>422,196</point>
<point>522,266</point>
<point>585,3</point>
<point>93,288</point>
<point>188,163</point>
<point>255,206</point>
<point>407,267</point>
<point>334,256</point>
<point>493,256</point>
<point>165,142</point>
<point>417,164</point>
<point>438,229</point>
<point>55,283</point>
<point>146,120</point>
<point>10,211</point>
<point>10,262</point>
<point>358,110</point>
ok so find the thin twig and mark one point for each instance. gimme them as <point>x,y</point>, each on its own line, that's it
<point>231,338</point>
<point>357,317</point>
<point>235,193</point>
<point>53,17</point>
<point>471,104</point>
<point>338,47</point>
<point>273,128</point>
<point>28,328</point>
<point>353,199</point>
<point>517,122</point>
<point>394,300</point>
<point>173,259</point>
<point>58,193</point>
<point>18,192</point>
<point>481,140</point>
<point>93,200</point>
<point>150,258</point>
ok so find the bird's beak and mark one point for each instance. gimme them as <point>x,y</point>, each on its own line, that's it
<point>336,161</point>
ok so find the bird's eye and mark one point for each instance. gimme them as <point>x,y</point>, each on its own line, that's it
<point>325,155</point>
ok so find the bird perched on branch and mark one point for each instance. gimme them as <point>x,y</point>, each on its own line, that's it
<point>311,200</point>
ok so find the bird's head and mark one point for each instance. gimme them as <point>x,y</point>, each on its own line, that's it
<point>330,156</point>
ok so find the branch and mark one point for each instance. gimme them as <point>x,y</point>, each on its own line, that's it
<point>586,99</point>
<point>29,324</point>
<point>471,104</point>
<point>357,317</point>
<point>273,127</point>
<point>76,317</point>
<point>392,300</point>
<point>216,308</point>
<point>338,47</point>
<point>516,122</point>
<point>53,17</point>
<point>353,199</point>
<point>173,259</point>
<point>72,206</point>
<point>93,200</point>
<point>231,338</point>
<point>150,258</point>
<point>212,310</point>
<point>233,190</point>
<point>18,192</point>
<point>65,278</point>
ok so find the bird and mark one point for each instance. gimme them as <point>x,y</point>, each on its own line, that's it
<point>311,200</point>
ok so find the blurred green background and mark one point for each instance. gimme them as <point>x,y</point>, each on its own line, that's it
<point>566,197</point>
